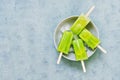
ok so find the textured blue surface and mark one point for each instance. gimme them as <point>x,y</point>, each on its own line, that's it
<point>26,40</point>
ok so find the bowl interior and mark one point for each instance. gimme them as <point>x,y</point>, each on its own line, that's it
<point>65,25</point>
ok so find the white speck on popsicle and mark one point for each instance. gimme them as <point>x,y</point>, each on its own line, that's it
<point>65,28</point>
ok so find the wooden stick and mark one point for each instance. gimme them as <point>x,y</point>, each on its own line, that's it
<point>103,50</point>
<point>82,62</point>
<point>90,10</point>
<point>87,14</point>
<point>59,58</point>
<point>83,66</point>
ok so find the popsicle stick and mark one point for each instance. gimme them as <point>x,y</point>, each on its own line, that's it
<point>83,66</point>
<point>103,50</point>
<point>90,10</point>
<point>59,58</point>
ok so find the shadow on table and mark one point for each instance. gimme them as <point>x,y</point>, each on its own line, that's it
<point>77,64</point>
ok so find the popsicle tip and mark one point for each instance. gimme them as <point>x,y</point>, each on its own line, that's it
<point>83,66</point>
<point>102,49</point>
<point>84,71</point>
<point>105,52</point>
<point>93,6</point>
<point>90,10</point>
<point>59,58</point>
<point>58,62</point>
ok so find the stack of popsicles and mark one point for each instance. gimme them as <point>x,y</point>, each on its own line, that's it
<point>69,38</point>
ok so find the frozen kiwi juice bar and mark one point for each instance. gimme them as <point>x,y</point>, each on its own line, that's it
<point>89,39</point>
<point>65,42</point>
<point>80,51</point>
<point>80,24</point>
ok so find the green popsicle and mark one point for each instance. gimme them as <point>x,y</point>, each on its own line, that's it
<point>80,51</point>
<point>89,39</point>
<point>65,42</point>
<point>80,24</point>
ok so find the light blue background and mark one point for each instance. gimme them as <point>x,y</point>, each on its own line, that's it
<point>27,50</point>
